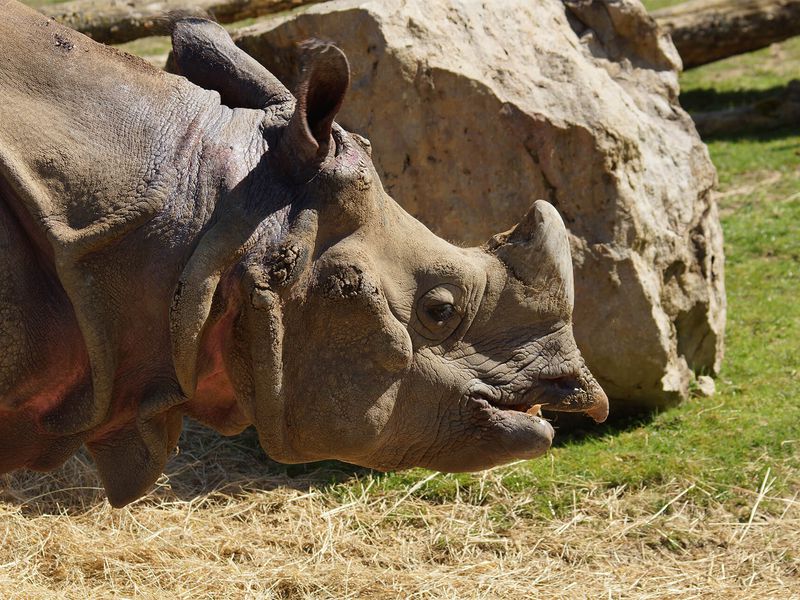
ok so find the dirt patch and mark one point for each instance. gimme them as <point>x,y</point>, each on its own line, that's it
<point>768,185</point>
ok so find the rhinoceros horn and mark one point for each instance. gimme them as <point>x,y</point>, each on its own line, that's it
<point>537,252</point>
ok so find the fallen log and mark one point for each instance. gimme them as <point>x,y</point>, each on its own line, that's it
<point>703,30</point>
<point>119,21</point>
<point>707,30</point>
<point>780,110</point>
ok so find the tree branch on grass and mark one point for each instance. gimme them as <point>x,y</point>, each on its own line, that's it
<point>780,110</point>
<point>707,30</point>
<point>119,21</point>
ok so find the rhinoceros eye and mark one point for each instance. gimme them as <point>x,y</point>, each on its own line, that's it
<point>442,312</point>
<point>438,311</point>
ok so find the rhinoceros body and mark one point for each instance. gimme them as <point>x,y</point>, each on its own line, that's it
<point>229,253</point>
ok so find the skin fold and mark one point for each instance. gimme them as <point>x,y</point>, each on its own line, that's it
<point>208,244</point>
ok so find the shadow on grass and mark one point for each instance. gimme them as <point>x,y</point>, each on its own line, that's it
<point>769,135</point>
<point>240,460</point>
<point>708,99</point>
<point>210,464</point>
<point>209,468</point>
<point>575,428</point>
<point>745,115</point>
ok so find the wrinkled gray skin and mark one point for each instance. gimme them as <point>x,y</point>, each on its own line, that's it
<point>229,253</point>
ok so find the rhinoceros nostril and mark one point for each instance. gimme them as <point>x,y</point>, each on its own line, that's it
<point>572,393</point>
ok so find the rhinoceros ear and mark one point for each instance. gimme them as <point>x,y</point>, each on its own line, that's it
<point>325,78</point>
<point>537,251</point>
<point>205,54</point>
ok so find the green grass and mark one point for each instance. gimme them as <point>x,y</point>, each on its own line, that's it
<point>753,72</point>
<point>656,4</point>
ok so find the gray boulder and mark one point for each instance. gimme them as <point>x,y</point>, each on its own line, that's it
<point>475,109</point>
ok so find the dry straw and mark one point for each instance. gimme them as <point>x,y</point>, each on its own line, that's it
<point>226,523</point>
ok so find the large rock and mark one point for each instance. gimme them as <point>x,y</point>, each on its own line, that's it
<point>475,109</point>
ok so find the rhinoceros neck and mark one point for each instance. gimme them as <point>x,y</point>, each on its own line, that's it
<point>205,163</point>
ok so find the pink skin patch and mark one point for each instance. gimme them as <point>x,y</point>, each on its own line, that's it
<point>53,378</point>
<point>214,401</point>
<point>64,367</point>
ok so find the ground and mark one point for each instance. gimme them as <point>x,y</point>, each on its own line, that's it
<point>699,501</point>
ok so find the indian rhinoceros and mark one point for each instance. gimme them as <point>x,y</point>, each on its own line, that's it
<point>230,254</point>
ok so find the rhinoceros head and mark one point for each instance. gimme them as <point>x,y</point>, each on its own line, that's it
<point>345,329</point>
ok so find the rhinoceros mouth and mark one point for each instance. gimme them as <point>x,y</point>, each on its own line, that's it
<point>563,394</point>
<point>501,399</point>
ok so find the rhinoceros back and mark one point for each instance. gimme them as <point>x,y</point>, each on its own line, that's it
<point>77,118</point>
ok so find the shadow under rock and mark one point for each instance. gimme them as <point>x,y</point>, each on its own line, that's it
<point>745,114</point>
<point>710,99</point>
<point>769,135</point>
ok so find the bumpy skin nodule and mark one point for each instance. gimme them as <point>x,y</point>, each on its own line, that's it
<point>165,254</point>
